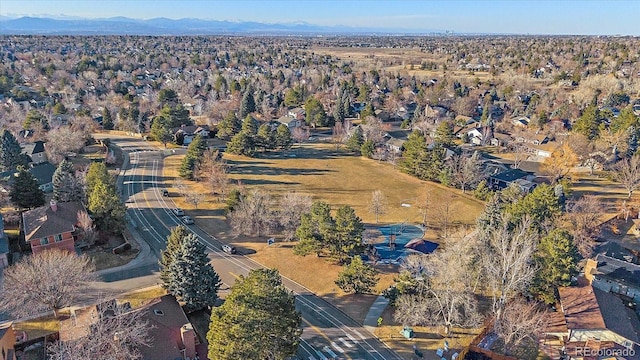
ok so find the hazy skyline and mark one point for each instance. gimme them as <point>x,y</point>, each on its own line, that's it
<point>511,17</point>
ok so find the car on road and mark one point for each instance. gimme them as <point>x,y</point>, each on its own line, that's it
<point>187,220</point>
<point>178,212</point>
<point>165,192</point>
<point>229,249</point>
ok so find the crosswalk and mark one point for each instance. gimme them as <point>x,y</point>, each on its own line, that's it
<point>337,347</point>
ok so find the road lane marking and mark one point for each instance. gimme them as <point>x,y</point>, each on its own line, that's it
<point>330,352</point>
<point>352,338</point>
<point>322,357</point>
<point>357,333</point>
<point>317,329</point>
<point>234,275</point>
<point>335,346</point>
<point>345,342</point>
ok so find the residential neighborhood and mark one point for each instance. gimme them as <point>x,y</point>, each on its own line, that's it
<point>173,190</point>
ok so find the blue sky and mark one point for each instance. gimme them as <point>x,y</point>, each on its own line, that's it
<point>595,17</point>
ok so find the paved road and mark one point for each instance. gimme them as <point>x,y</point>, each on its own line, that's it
<point>328,333</point>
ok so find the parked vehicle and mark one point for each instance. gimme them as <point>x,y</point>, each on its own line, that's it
<point>165,192</point>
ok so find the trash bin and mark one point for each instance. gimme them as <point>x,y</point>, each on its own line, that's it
<point>407,332</point>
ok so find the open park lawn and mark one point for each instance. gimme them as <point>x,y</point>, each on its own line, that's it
<point>335,177</point>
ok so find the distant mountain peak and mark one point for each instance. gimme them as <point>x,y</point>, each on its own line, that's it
<point>62,25</point>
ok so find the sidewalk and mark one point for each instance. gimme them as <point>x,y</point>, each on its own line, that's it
<point>375,312</point>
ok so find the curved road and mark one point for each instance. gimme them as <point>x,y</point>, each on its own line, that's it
<point>328,332</point>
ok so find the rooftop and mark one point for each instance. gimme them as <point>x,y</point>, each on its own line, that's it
<point>43,221</point>
<point>618,269</point>
<point>580,308</point>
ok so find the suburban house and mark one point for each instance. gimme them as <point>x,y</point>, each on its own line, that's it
<point>52,226</point>
<point>395,140</point>
<point>505,178</point>
<point>591,318</point>
<point>44,174</point>
<point>613,275</point>
<point>172,335</point>
<point>291,121</point>
<point>4,246</point>
<point>7,342</point>
<point>184,135</point>
<point>297,113</point>
<point>35,151</point>
<point>521,122</point>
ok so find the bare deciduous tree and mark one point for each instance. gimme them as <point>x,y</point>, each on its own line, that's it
<point>300,134</point>
<point>292,206</point>
<point>520,154</point>
<point>117,333</point>
<point>444,297</point>
<point>466,170</point>
<point>505,256</point>
<point>583,215</point>
<point>86,225</point>
<point>520,320</point>
<point>339,133</point>
<point>253,215</point>
<point>214,171</point>
<point>46,281</point>
<point>627,172</point>
<point>62,141</point>
<point>195,198</point>
<point>443,212</point>
<point>378,204</point>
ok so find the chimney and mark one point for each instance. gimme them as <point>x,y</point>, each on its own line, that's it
<point>54,205</point>
<point>189,340</point>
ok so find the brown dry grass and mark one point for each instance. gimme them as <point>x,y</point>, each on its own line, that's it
<point>142,297</point>
<point>39,327</point>
<point>335,177</point>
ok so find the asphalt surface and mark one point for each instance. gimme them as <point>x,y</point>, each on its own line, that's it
<point>328,333</point>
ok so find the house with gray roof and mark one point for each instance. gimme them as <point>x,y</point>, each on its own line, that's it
<point>44,175</point>
<point>613,275</point>
<point>35,152</point>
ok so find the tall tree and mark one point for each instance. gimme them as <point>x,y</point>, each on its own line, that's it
<point>560,163</point>
<point>107,119</point>
<point>168,255</point>
<point>10,152</point>
<point>161,129</point>
<point>265,138</point>
<point>315,114</point>
<point>25,192</point>
<point>258,320</point>
<point>283,137</point>
<point>584,219</point>
<point>521,321</point>
<point>466,171</point>
<point>378,204</point>
<point>292,206</point>
<point>355,141</point>
<point>253,215</point>
<point>97,173</point>
<point>241,144</point>
<point>229,126</point>
<point>357,277</point>
<point>54,279</point>
<point>589,122</point>
<point>194,155</point>
<point>505,257</point>
<point>248,104</point>
<point>556,261</point>
<point>107,207</point>
<point>444,134</point>
<point>315,226</point>
<point>192,279</point>
<point>346,240</point>
<point>66,185</point>
<point>414,155</point>
<point>627,172</point>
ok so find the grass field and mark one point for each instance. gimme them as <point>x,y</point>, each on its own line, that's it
<point>335,177</point>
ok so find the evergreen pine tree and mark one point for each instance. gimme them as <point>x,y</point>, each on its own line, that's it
<point>355,141</point>
<point>556,259</point>
<point>357,277</point>
<point>414,155</point>
<point>367,148</point>
<point>10,152</point>
<point>283,137</point>
<point>258,320</point>
<point>229,126</point>
<point>265,138</point>
<point>249,126</point>
<point>194,154</point>
<point>108,209</point>
<point>97,173</point>
<point>193,280</point>
<point>66,186</point>
<point>444,134</point>
<point>241,144</point>
<point>174,242</point>
<point>248,104</point>
<point>107,119</point>
<point>25,192</point>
